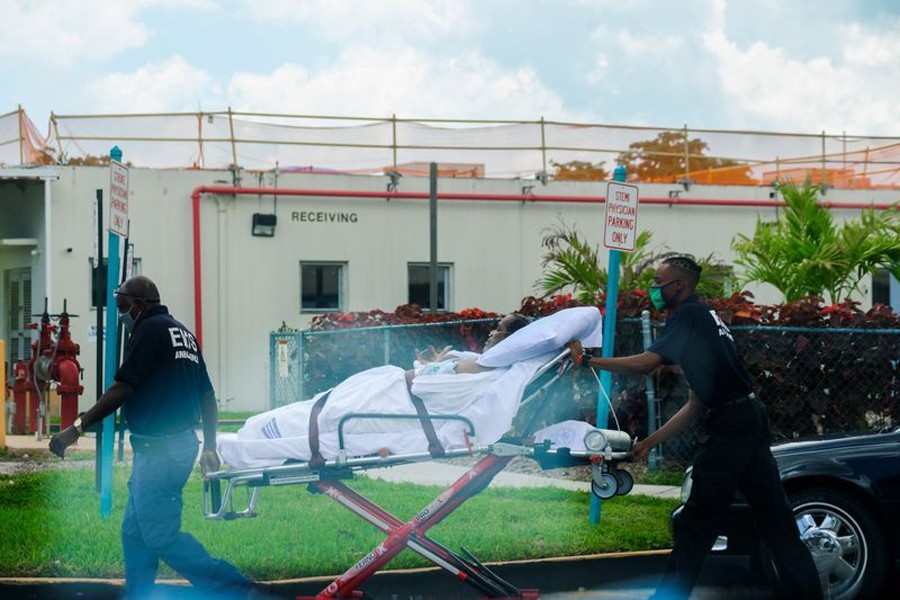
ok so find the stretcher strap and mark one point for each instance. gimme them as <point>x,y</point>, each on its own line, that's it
<point>316,459</point>
<point>434,446</point>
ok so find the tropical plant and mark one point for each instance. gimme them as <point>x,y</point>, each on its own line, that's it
<point>804,253</point>
<point>570,262</point>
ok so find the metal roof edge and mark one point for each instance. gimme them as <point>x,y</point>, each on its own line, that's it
<point>51,172</point>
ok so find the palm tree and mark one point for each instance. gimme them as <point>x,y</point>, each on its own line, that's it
<point>803,253</point>
<point>570,262</point>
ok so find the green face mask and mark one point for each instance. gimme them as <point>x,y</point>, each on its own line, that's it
<point>656,295</point>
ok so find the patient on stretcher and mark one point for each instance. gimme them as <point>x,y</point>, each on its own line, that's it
<point>484,388</point>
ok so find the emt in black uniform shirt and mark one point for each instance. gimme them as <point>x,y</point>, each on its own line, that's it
<point>165,391</point>
<point>735,453</point>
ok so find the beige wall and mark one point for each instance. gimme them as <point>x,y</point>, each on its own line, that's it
<point>251,284</point>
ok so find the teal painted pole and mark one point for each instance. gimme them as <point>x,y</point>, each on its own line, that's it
<point>110,363</point>
<point>609,340</point>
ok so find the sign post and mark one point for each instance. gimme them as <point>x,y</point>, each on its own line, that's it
<point>118,227</point>
<point>619,234</point>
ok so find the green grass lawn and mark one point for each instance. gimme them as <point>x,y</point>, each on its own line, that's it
<point>51,526</point>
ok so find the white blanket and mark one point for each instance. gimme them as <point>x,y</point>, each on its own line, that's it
<point>489,399</point>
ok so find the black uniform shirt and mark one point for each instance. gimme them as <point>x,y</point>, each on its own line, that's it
<point>164,366</point>
<point>697,339</point>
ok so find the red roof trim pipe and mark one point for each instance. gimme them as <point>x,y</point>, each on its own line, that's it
<point>229,190</point>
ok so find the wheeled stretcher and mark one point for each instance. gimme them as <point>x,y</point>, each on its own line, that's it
<point>602,449</point>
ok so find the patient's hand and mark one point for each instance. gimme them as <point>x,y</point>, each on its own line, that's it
<point>431,355</point>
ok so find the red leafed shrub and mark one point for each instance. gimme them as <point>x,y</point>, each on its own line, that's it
<point>405,314</point>
<point>533,306</point>
<point>738,309</point>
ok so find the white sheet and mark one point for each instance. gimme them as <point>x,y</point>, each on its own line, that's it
<point>489,399</point>
<point>547,335</point>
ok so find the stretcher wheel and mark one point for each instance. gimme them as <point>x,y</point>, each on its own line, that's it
<point>606,487</point>
<point>625,481</point>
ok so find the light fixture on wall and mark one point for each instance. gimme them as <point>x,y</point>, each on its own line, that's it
<point>264,225</point>
<point>686,183</point>
<point>394,177</point>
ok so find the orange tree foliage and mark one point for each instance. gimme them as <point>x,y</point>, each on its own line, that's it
<point>579,170</point>
<point>662,159</point>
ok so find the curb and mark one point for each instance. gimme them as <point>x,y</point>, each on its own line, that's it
<point>616,571</point>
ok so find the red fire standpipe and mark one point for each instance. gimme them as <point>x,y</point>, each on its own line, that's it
<point>39,373</point>
<point>528,197</point>
<point>66,370</point>
<point>51,360</point>
<point>21,387</point>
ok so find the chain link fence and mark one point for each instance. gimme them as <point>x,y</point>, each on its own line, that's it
<point>814,381</point>
<point>304,363</point>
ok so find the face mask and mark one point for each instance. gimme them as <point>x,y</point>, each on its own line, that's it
<point>656,295</point>
<point>126,320</point>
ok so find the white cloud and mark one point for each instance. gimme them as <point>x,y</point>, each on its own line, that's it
<point>619,50</point>
<point>650,46</point>
<point>367,19</point>
<point>63,32</point>
<point>864,48</point>
<point>852,91</point>
<point>172,85</point>
<point>378,82</point>
<point>600,71</point>
<point>67,32</point>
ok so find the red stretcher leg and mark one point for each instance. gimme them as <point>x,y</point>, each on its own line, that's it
<point>411,534</point>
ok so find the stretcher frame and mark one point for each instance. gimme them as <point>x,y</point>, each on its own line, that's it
<point>607,481</point>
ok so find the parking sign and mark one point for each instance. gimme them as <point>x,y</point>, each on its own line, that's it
<point>620,224</point>
<point>118,198</point>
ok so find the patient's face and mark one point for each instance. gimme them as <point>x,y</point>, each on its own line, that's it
<point>498,333</point>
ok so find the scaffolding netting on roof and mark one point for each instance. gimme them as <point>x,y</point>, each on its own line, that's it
<point>254,141</point>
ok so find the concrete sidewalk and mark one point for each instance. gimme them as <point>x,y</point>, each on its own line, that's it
<point>438,473</point>
<point>425,473</point>
<point>28,443</point>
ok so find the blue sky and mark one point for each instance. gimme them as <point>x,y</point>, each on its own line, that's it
<point>783,65</point>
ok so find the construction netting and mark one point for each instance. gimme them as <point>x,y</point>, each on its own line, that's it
<point>20,141</point>
<point>526,149</point>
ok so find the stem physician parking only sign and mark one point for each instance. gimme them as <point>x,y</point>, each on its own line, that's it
<point>118,198</point>
<point>620,224</point>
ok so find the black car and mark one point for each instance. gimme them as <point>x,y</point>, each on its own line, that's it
<point>845,492</point>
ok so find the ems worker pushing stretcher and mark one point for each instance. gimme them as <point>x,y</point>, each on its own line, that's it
<point>165,391</point>
<point>735,453</point>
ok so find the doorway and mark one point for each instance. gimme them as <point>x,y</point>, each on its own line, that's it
<point>17,292</point>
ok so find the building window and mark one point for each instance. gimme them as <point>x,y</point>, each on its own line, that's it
<point>420,285</point>
<point>98,278</point>
<point>322,286</point>
<point>881,287</point>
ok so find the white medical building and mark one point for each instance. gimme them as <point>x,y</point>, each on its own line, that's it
<point>340,243</point>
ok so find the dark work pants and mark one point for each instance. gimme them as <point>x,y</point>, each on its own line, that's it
<point>151,529</point>
<point>736,455</point>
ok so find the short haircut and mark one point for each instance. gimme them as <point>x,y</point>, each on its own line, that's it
<point>141,288</point>
<point>687,266</point>
<point>516,323</point>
